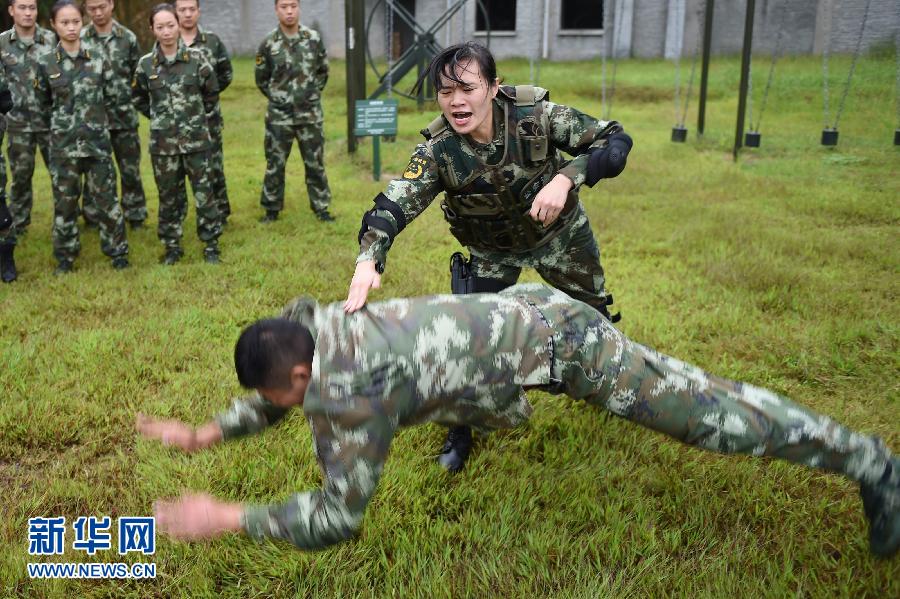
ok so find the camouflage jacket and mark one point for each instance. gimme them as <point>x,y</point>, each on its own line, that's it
<point>78,93</point>
<point>122,50</point>
<point>292,73</point>
<point>452,163</point>
<point>20,66</point>
<point>460,359</point>
<point>178,97</point>
<point>217,55</point>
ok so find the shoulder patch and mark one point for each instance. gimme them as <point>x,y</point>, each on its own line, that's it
<point>259,59</point>
<point>416,168</point>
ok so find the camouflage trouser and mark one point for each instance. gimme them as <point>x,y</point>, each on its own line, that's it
<point>126,144</point>
<point>8,234</point>
<point>570,262</point>
<point>169,172</point>
<point>21,164</point>
<point>595,362</point>
<point>217,172</point>
<point>279,141</point>
<point>100,178</point>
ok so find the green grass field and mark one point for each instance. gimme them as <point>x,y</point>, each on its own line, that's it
<point>780,269</point>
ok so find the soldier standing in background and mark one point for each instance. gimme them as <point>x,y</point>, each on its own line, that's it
<point>175,87</point>
<point>468,359</point>
<point>76,85</point>
<point>120,46</point>
<point>291,71</point>
<point>27,127</point>
<point>209,43</point>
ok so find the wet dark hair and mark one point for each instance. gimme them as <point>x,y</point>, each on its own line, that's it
<point>61,4</point>
<point>164,7</point>
<point>267,350</point>
<point>449,60</point>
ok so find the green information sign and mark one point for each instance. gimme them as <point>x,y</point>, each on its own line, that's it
<point>376,117</point>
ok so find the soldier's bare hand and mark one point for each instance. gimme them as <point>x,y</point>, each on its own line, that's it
<point>364,278</point>
<point>551,200</point>
<point>169,432</point>
<point>197,516</point>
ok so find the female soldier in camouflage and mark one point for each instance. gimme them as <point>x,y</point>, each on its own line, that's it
<point>175,87</point>
<point>510,198</point>
<point>75,86</point>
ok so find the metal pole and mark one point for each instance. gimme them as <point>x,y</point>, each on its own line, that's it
<point>704,73</point>
<point>745,75</point>
<point>354,14</point>
<point>376,158</point>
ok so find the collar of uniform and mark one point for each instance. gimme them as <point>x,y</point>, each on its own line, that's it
<point>201,34</point>
<point>181,54</point>
<point>39,34</point>
<point>61,53</point>
<point>302,33</point>
<point>117,30</point>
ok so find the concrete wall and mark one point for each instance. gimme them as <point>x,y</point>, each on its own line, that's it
<point>653,27</point>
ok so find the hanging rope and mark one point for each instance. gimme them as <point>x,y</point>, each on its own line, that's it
<point>613,41</point>
<point>825,55</point>
<point>389,25</point>
<point>776,54</point>
<point>681,116</point>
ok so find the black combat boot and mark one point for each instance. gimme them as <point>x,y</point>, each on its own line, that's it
<point>324,216</point>
<point>172,256</point>
<point>456,448</point>
<point>270,217</point>
<point>211,254</point>
<point>7,263</point>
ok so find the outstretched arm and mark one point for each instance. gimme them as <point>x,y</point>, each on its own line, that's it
<point>403,200</point>
<point>179,434</point>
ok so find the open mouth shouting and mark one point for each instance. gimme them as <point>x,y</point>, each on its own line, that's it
<point>461,118</point>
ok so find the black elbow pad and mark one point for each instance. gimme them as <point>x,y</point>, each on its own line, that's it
<point>609,161</point>
<point>371,218</point>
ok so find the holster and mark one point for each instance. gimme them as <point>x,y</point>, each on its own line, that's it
<point>461,279</point>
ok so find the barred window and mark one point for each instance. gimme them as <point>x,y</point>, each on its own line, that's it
<point>501,15</point>
<point>582,14</point>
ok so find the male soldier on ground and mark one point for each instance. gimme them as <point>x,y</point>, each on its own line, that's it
<point>467,359</point>
<point>511,198</point>
<point>121,48</point>
<point>291,71</point>
<point>27,126</point>
<point>212,47</point>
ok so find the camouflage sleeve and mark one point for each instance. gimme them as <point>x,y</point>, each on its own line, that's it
<point>42,89</point>
<point>111,94</point>
<point>209,85</point>
<point>351,451</point>
<point>224,70</point>
<point>576,133</point>
<point>249,416</point>
<point>322,69</point>
<point>263,70</point>
<point>134,53</point>
<point>140,92</point>
<point>413,192</point>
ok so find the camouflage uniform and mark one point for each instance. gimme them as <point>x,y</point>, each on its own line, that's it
<point>215,52</point>
<point>467,359</point>
<point>122,50</point>
<point>78,93</point>
<point>291,73</point>
<point>27,127</point>
<point>490,186</point>
<point>176,96</point>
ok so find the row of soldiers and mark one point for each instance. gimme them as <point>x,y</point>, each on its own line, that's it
<point>59,83</point>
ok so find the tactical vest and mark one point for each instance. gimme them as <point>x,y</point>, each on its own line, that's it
<point>487,205</point>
